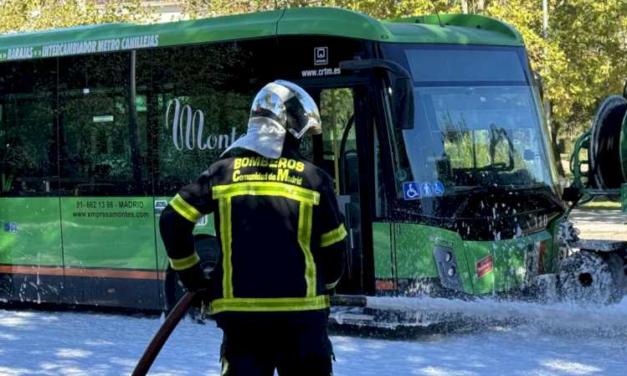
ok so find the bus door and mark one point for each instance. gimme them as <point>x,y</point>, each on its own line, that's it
<point>339,151</point>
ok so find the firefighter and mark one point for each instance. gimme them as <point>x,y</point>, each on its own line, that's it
<point>282,241</point>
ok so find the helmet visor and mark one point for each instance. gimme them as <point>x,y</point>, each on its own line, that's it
<point>308,115</point>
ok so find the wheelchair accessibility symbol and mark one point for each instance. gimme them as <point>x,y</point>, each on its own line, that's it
<point>414,190</point>
<point>411,191</point>
<point>438,188</point>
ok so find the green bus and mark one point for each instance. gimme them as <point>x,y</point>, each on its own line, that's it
<point>433,132</point>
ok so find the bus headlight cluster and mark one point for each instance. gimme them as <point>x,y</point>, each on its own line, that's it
<point>447,268</point>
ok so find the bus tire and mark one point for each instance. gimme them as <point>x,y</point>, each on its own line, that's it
<point>616,264</point>
<point>589,278</point>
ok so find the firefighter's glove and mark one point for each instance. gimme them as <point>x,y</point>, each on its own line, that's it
<point>193,279</point>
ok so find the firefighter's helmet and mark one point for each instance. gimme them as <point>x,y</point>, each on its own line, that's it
<point>279,107</point>
<point>289,105</point>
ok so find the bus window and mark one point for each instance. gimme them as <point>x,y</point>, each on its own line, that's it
<point>103,149</point>
<point>338,137</point>
<point>27,136</point>
<point>479,148</point>
<point>199,104</point>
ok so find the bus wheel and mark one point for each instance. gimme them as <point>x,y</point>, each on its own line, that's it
<point>616,264</point>
<point>589,278</point>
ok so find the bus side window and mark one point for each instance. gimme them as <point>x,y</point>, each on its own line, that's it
<point>338,137</point>
<point>103,128</point>
<point>200,104</point>
<point>28,164</point>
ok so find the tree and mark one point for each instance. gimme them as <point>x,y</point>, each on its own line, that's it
<point>29,15</point>
<point>592,35</point>
<point>375,8</point>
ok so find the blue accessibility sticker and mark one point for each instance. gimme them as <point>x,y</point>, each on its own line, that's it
<point>411,190</point>
<point>414,191</point>
<point>10,227</point>
<point>438,188</point>
<point>426,189</point>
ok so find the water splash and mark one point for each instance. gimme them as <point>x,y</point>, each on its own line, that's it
<point>554,318</point>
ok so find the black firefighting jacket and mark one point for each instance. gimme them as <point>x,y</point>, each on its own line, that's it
<point>282,236</point>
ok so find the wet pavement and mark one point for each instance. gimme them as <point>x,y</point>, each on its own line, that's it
<point>600,223</point>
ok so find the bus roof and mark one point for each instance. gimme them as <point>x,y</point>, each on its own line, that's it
<point>445,29</point>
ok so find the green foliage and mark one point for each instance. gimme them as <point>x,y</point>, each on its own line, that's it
<point>582,59</point>
<point>28,15</point>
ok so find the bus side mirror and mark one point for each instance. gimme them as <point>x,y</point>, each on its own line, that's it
<point>572,194</point>
<point>400,88</point>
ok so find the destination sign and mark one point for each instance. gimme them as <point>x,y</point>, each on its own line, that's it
<point>79,47</point>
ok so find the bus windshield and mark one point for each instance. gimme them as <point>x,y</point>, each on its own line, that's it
<point>476,123</point>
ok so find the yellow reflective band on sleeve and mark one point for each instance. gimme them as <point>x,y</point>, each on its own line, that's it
<point>263,188</point>
<point>305,215</point>
<point>270,304</point>
<point>185,263</point>
<point>184,209</point>
<point>333,236</point>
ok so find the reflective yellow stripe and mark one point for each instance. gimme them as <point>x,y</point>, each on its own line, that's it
<point>226,236</point>
<point>305,214</point>
<point>333,236</point>
<point>186,210</point>
<point>263,188</point>
<point>185,263</point>
<point>307,199</point>
<point>270,304</point>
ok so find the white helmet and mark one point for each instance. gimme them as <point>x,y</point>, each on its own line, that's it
<point>278,107</point>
